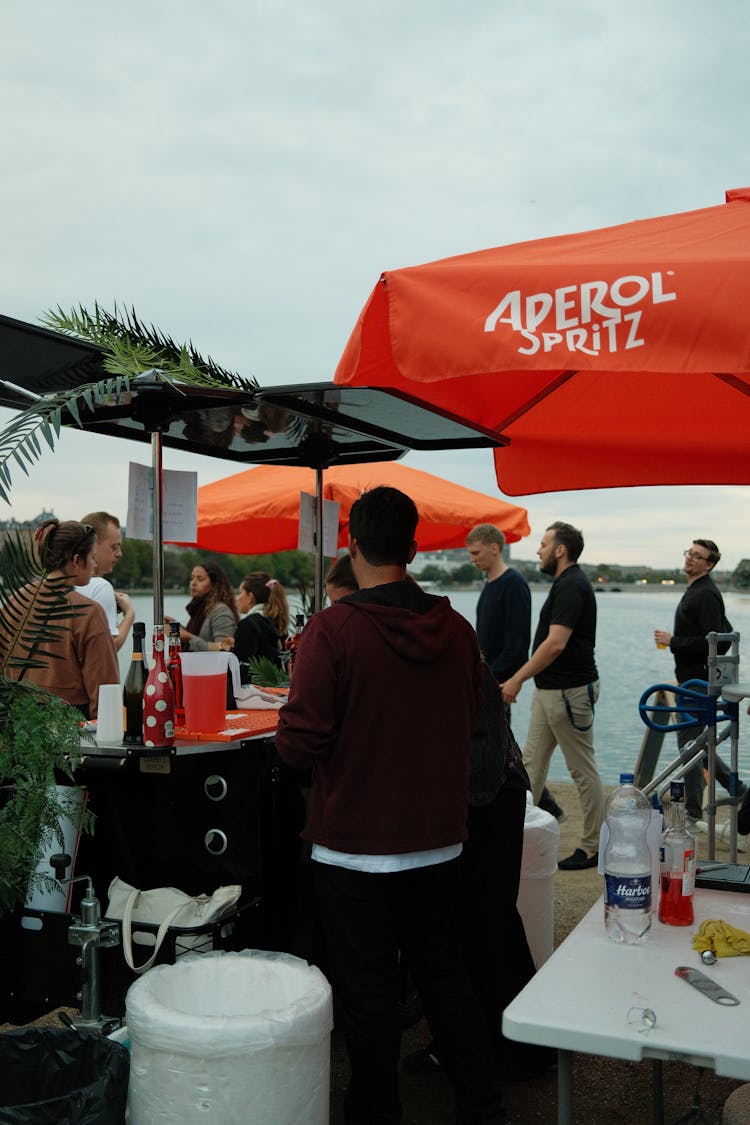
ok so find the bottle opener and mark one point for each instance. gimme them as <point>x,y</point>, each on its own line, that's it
<point>705,985</point>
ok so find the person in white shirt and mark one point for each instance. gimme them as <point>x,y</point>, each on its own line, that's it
<point>108,551</point>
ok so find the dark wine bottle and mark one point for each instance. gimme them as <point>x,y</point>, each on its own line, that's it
<point>132,691</point>
<point>158,699</point>
<point>174,667</point>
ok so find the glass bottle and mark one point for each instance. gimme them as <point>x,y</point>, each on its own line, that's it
<point>174,667</point>
<point>292,641</point>
<point>677,853</point>
<point>132,692</point>
<point>158,699</point>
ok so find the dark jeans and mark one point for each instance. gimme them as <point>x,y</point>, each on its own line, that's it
<point>367,920</point>
<point>496,950</point>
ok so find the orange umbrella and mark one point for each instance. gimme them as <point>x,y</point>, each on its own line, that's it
<point>257,511</point>
<point>614,357</point>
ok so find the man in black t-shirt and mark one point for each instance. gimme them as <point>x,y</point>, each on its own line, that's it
<point>567,685</point>
<point>699,612</point>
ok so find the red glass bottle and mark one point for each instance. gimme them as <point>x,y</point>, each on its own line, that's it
<point>677,864</point>
<point>292,642</point>
<point>158,699</point>
<point>175,669</point>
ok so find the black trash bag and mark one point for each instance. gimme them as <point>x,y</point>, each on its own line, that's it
<point>62,1077</point>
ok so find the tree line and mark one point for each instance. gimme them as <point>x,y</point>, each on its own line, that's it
<point>135,569</point>
<point>295,569</point>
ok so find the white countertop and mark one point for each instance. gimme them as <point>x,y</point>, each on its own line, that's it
<point>582,998</point>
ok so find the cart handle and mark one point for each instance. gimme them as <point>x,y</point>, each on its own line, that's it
<point>695,707</point>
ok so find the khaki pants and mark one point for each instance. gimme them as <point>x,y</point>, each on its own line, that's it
<point>550,725</point>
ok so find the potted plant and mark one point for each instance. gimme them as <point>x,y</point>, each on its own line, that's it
<point>39,733</point>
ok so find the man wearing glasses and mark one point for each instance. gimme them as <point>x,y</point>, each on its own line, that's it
<point>700,611</point>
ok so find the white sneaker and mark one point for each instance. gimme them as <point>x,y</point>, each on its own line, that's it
<point>695,826</point>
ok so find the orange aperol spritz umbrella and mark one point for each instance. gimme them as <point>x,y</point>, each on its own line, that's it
<point>613,357</point>
<point>257,511</point>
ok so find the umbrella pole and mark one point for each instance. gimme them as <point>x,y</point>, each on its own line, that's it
<point>318,539</point>
<point>158,552</point>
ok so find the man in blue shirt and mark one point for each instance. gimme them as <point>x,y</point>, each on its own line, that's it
<point>503,618</point>
<point>567,685</point>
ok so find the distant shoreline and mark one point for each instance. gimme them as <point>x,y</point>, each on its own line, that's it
<point>467,588</point>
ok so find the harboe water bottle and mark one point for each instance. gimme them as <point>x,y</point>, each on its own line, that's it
<point>677,853</point>
<point>627,864</point>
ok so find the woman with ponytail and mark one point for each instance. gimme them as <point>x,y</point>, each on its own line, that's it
<point>82,655</point>
<point>261,631</point>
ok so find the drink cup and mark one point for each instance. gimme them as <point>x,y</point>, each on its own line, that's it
<point>660,645</point>
<point>204,690</point>
<point>109,724</point>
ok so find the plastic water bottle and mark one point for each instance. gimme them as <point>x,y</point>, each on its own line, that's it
<point>627,864</point>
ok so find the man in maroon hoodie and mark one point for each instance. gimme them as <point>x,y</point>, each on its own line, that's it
<point>383,702</point>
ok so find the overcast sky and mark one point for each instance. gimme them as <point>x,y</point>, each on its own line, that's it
<point>241,172</point>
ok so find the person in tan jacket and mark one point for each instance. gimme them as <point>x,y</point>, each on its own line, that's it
<point>82,656</point>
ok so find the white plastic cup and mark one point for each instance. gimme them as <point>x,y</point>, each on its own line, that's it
<point>109,722</point>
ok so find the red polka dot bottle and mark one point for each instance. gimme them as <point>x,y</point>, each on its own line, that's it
<point>158,699</point>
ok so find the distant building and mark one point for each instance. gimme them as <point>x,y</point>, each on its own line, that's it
<point>447,560</point>
<point>23,525</point>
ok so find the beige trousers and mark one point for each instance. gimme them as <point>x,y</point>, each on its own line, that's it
<point>553,724</point>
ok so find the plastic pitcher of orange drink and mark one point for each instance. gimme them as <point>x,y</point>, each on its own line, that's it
<point>204,689</point>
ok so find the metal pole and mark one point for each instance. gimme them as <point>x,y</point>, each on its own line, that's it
<point>318,539</point>
<point>158,540</point>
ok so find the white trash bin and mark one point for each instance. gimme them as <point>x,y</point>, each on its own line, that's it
<point>536,894</point>
<point>229,1038</point>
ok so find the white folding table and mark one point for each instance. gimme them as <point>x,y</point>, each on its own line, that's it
<point>590,995</point>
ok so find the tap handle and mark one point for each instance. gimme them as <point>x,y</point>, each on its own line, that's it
<point>58,862</point>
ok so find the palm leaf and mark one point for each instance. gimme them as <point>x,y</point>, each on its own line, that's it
<point>128,349</point>
<point>19,440</point>
<point>34,614</point>
<point>265,673</point>
<point>131,347</point>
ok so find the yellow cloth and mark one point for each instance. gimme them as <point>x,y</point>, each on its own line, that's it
<point>724,940</point>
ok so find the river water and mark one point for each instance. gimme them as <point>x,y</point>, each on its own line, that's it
<point>628,661</point>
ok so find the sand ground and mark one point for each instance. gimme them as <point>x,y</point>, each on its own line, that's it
<point>606,1091</point>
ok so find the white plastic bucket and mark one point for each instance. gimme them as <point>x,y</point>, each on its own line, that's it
<point>230,1038</point>
<point>536,893</point>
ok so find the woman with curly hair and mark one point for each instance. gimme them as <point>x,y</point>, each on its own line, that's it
<point>212,610</point>
<point>82,656</point>
<point>260,633</point>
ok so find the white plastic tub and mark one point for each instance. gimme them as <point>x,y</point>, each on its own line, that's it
<point>230,1038</point>
<point>536,894</point>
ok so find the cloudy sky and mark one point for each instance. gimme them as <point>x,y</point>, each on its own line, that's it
<point>242,171</point>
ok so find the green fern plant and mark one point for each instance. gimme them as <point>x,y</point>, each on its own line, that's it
<point>39,741</point>
<point>264,673</point>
